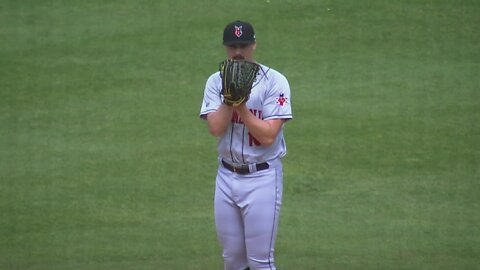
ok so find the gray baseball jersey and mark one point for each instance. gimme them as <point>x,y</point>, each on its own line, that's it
<point>269,99</point>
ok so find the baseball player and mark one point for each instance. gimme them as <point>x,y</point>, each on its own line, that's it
<point>248,192</point>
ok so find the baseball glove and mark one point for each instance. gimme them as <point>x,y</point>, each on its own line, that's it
<point>237,80</point>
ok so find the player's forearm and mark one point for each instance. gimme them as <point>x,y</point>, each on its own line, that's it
<point>261,130</point>
<point>218,121</point>
<point>264,131</point>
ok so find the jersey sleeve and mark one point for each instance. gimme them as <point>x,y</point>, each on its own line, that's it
<point>277,103</point>
<point>211,98</point>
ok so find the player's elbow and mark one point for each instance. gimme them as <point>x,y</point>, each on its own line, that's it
<point>267,141</point>
<point>216,131</point>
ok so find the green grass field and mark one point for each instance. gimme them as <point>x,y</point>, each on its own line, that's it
<point>104,163</point>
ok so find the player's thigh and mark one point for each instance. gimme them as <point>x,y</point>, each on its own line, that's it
<point>262,213</point>
<point>228,217</point>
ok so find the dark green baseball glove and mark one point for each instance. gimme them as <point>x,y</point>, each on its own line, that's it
<point>237,80</point>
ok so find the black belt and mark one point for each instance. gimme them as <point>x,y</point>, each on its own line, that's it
<point>244,169</point>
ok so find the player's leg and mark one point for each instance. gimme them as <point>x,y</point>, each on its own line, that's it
<point>229,224</point>
<point>261,218</point>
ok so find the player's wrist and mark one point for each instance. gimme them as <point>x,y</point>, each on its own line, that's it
<point>227,107</point>
<point>241,107</point>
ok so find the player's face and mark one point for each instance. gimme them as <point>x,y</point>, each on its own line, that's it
<point>240,51</point>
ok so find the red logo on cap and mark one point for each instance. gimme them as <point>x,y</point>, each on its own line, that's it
<point>238,30</point>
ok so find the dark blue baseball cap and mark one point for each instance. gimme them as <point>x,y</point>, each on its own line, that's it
<point>238,32</point>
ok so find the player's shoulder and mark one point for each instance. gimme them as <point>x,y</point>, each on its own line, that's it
<point>214,79</point>
<point>271,74</point>
<point>215,76</point>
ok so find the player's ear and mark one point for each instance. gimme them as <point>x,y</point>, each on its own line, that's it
<point>254,46</point>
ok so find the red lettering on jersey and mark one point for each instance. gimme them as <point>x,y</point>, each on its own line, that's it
<point>257,113</point>
<point>252,141</point>
<point>236,118</point>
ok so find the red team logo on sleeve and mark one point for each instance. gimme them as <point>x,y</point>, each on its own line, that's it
<point>281,100</point>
